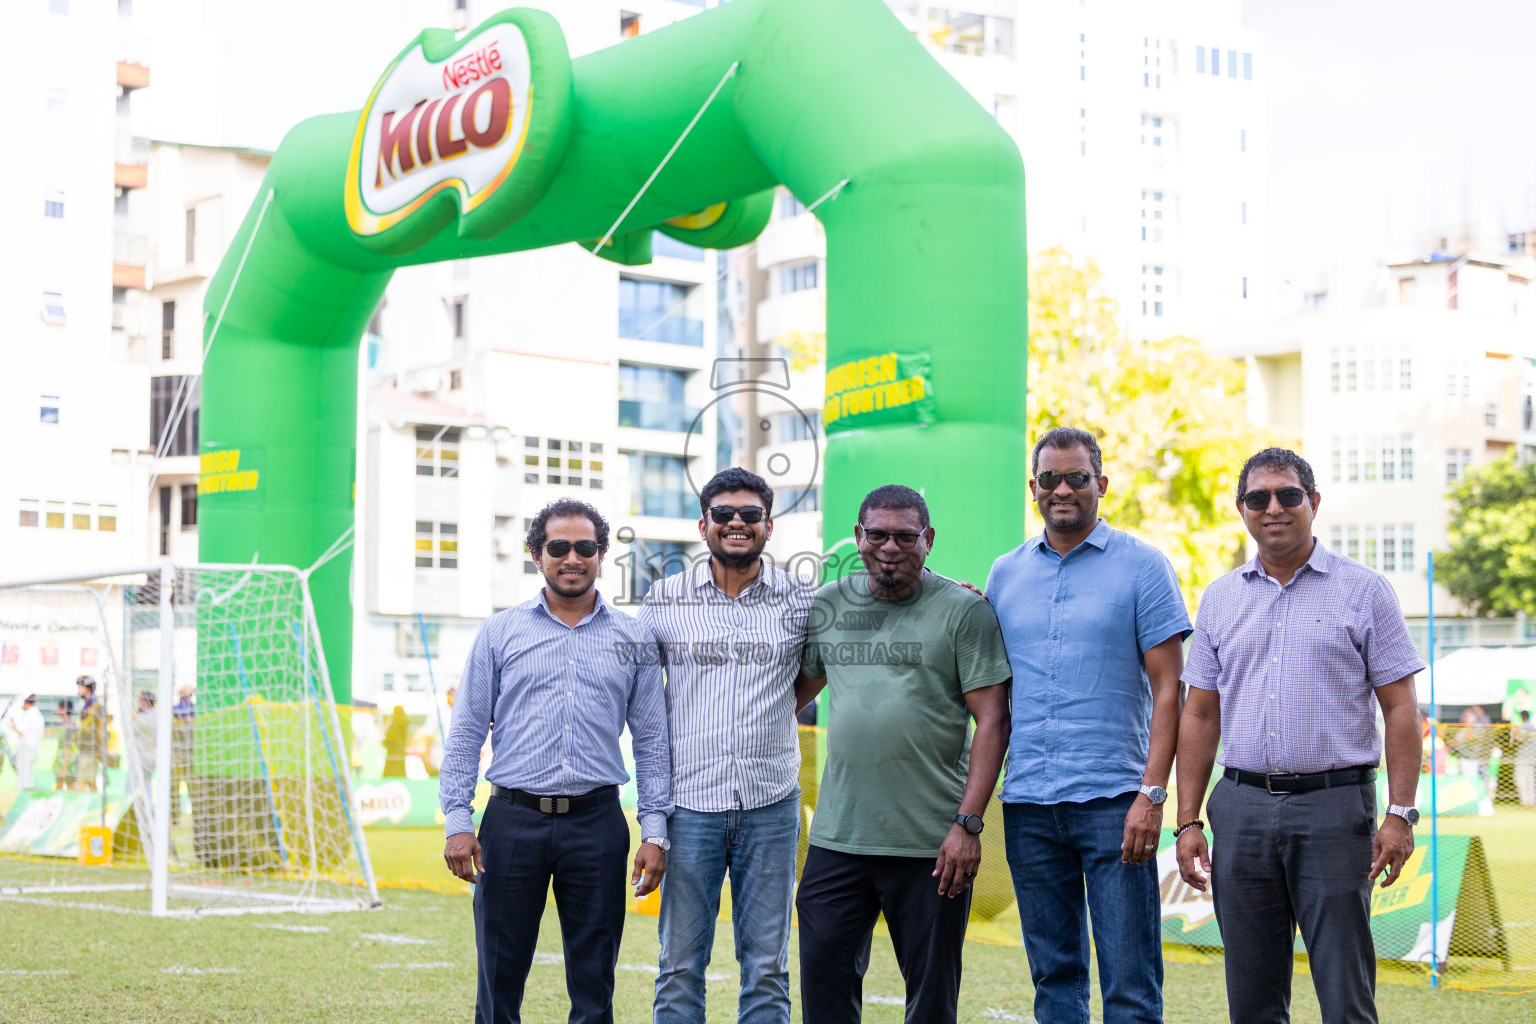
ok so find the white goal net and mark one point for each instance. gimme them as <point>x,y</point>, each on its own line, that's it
<point>201,768</point>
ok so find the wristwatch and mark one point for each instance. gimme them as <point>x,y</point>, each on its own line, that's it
<point>661,841</point>
<point>1157,794</point>
<point>1408,814</point>
<point>972,823</point>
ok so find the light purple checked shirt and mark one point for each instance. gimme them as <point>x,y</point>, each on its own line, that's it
<point>1296,666</point>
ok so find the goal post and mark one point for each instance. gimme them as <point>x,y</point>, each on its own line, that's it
<point>223,783</point>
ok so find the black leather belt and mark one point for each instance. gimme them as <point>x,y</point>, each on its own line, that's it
<point>1304,782</point>
<point>557,804</point>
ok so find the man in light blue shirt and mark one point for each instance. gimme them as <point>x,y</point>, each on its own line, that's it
<point>1094,624</point>
<point>555,680</point>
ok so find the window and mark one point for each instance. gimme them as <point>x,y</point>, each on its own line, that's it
<point>53,517</point>
<point>437,545</point>
<point>167,329</point>
<point>106,517</point>
<point>1245,287</point>
<point>530,460</point>
<point>1389,548</point>
<point>165,520</point>
<point>29,512</point>
<point>1336,538</point>
<point>455,379</point>
<point>799,278</point>
<point>1370,547</point>
<point>1350,375</point>
<point>651,560</point>
<point>189,506</point>
<point>1352,542</point>
<point>659,487</point>
<point>1405,546</point>
<point>1405,458</point>
<point>1335,461</point>
<point>789,205</point>
<point>789,427</point>
<point>53,307</point>
<point>1450,380</point>
<point>169,397</point>
<point>1368,465</point>
<point>530,478</point>
<point>551,478</point>
<point>629,25</point>
<point>1244,215</point>
<point>1333,370</point>
<point>552,462</point>
<point>191,235</point>
<point>1457,462</point>
<point>1352,461</point>
<point>553,443</point>
<point>1215,62</point>
<point>1248,66</point>
<point>529,567</point>
<point>48,409</point>
<point>1405,370</point>
<point>1491,415</point>
<point>1231,63</point>
<point>653,311</point>
<point>1157,309</point>
<point>573,446</point>
<point>530,442</point>
<point>58,6</point>
<point>53,205</point>
<point>1388,459</point>
<point>458,314</point>
<point>1242,140</point>
<point>437,451</point>
<point>1199,60</point>
<point>1368,371</point>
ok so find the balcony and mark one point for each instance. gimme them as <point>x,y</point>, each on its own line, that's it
<point>665,504</point>
<point>671,330</point>
<point>132,75</point>
<point>130,160</point>
<point>128,261</point>
<point>660,416</point>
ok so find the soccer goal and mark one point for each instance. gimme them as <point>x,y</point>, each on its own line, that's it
<point>208,772</point>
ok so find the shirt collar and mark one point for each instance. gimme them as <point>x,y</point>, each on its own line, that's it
<point>1317,561</point>
<point>1099,538</point>
<point>540,602</point>
<point>703,577</point>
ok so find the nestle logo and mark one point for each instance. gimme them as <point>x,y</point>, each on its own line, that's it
<point>472,68</point>
<point>853,620</point>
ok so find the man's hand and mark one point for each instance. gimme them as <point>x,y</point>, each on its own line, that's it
<point>959,858</point>
<point>1143,828</point>
<point>972,588</point>
<point>1394,844</point>
<point>462,853</point>
<point>650,865</point>
<point>1194,857</point>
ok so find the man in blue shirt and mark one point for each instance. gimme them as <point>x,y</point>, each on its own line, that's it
<point>555,680</point>
<point>1094,624</point>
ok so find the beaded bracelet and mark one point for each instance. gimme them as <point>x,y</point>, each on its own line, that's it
<point>1197,823</point>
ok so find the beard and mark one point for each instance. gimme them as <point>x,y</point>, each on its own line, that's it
<point>1067,522</point>
<point>570,588</point>
<point>735,561</point>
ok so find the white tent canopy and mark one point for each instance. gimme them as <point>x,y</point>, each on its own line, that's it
<point>1477,675</point>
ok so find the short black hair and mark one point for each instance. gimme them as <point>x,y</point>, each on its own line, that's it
<point>735,479</point>
<point>67,706</point>
<point>565,508</point>
<point>1064,439</point>
<point>1279,459</point>
<point>895,496</point>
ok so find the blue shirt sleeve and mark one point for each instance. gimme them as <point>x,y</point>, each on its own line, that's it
<point>472,713</point>
<point>1388,649</point>
<point>648,731</point>
<point>1160,611</point>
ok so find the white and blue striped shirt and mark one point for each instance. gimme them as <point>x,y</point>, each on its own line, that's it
<point>731,670</point>
<point>559,696</point>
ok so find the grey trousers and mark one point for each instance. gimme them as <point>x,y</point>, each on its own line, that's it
<point>1288,861</point>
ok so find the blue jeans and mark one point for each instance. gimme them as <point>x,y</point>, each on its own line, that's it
<point>1052,848</point>
<point>757,848</point>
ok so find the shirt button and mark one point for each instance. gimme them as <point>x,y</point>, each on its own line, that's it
<point>567,693</point>
<point>1274,659</point>
<point>1271,697</point>
<point>1271,735</point>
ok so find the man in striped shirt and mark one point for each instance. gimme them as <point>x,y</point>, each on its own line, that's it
<point>556,680</point>
<point>730,630</point>
<point>1292,653</point>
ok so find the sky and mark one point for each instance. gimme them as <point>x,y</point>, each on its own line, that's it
<point>1386,117</point>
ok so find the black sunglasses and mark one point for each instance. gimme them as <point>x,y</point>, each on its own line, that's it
<point>561,548</point>
<point>1258,501</point>
<point>1050,479</point>
<point>723,514</point>
<point>877,538</point>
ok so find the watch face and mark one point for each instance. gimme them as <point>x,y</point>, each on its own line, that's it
<point>1157,794</point>
<point>1412,816</point>
<point>972,824</point>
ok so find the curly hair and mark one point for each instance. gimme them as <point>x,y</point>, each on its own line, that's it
<point>565,508</point>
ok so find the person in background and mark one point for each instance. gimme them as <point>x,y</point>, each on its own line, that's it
<point>1525,759</point>
<point>184,708</point>
<point>26,733</point>
<point>66,757</point>
<point>142,732</point>
<point>92,734</point>
<point>396,736</point>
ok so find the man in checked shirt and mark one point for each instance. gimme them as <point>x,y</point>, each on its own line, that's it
<point>555,680</point>
<point>1291,654</point>
<point>730,630</point>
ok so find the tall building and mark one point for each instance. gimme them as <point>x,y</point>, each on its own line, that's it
<point>1427,372</point>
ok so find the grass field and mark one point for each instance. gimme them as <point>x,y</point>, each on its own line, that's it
<point>414,961</point>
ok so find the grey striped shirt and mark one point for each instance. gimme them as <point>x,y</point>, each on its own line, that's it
<point>560,696</point>
<point>731,670</point>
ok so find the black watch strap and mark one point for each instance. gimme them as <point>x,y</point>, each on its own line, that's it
<point>972,823</point>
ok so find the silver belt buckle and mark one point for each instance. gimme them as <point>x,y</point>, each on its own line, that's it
<point>1269,784</point>
<point>554,805</point>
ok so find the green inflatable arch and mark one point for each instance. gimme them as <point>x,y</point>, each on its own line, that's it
<point>499,142</point>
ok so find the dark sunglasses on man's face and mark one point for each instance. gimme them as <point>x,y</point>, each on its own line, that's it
<point>877,538</point>
<point>1258,501</point>
<point>1050,480</point>
<point>723,514</point>
<point>561,548</point>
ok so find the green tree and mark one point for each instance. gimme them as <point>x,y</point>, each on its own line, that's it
<point>1170,418</point>
<point>1491,566</point>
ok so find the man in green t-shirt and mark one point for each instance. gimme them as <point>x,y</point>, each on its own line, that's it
<point>910,657</point>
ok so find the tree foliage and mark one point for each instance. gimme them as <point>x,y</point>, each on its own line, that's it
<point>1491,566</point>
<point>1170,419</point>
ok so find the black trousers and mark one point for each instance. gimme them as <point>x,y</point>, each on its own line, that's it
<point>841,895</point>
<point>586,854</point>
<point>1289,862</point>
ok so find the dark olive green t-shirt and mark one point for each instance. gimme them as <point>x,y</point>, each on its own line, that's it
<point>898,730</point>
